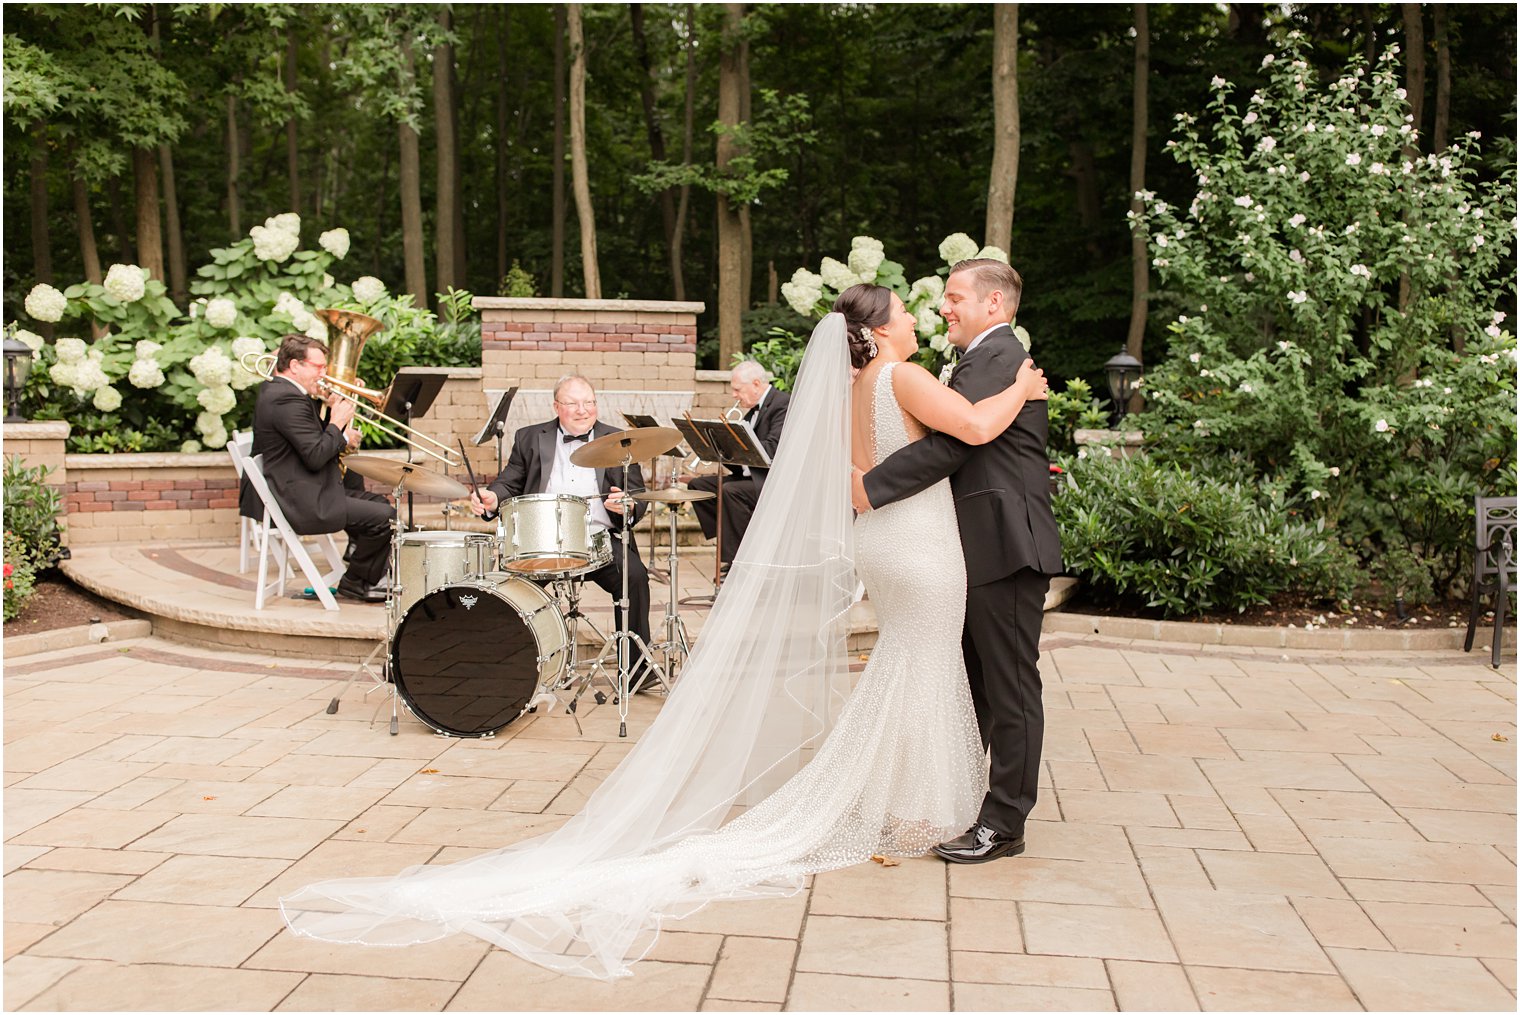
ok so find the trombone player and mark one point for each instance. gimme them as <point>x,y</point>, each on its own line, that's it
<point>301,464</point>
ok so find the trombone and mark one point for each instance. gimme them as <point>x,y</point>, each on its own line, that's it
<point>339,381</point>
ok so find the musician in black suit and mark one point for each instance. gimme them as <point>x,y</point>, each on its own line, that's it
<point>765,410</point>
<point>301,464</point>
<point>540,463</point>
<point>1010,541</point>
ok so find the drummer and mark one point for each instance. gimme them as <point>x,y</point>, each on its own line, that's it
<point>540,463</point>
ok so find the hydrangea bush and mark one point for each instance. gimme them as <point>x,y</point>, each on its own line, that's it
<point>1340,298</point>
<point>160,378</point>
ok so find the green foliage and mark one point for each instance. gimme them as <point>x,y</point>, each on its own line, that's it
<point>782,125</point>
<point>19,575</point>
<point>1403,575</point>
<point>1340,326</point>
<point>31,510</point>
<point>1071,410</point>
<point>517,282</point>
<point>1139,531</point>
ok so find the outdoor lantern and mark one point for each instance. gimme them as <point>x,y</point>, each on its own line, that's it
<point>1123,371</point>
<point>18,364</point>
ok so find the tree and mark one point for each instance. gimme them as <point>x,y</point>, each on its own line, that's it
<point>557,227</point>
<point>1003,179</point>
<point>1440,132</point>
<point>447,151</point>
<point>652,121</point>
<point>579,178</point>
<point>1140,258</point>
<point>730,230</point>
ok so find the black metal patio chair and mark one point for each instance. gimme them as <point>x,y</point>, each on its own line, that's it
<point>1494,571</point>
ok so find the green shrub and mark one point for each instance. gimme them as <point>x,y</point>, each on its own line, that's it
<point>19,575</point>
<point>31,515</point>
<point>1140,531</point>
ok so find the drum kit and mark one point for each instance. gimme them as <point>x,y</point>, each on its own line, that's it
<point>482,628</point>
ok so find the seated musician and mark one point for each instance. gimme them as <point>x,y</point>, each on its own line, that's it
<point>765,410</point>
<point>540,463</point>
<point>301,464</point>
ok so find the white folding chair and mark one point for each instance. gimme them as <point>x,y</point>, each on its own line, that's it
<point>250,532</point>
<point>280,542</point>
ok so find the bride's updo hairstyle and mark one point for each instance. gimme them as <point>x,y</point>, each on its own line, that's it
<point>864,306</point>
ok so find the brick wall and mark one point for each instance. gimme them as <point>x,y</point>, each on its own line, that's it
<point>143,498</point>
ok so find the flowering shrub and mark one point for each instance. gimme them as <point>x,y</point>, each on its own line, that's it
<point>162,379</point>
<point>31,514</point>
<point>1340,324</point>
<point>19,576</point>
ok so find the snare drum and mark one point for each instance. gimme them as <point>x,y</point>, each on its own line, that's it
<point>467,658</point>
<point>546,535</point>
<point>431,560</point>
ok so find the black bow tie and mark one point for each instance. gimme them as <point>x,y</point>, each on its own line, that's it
<point>577,437</point>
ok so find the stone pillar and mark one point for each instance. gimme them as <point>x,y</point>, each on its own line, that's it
<point>43,443</point>
<point>1123,443</point>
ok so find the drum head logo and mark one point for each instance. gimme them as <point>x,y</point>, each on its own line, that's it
<point>468,602</point>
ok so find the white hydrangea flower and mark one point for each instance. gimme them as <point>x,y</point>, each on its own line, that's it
<point>939,343</point>
<point>335,242</point>
<point>207,422</point>
<point>837,275</point>
<point>217,439</point>
<point>317,329</point>
<point>368,289</point>
<point>147,349</point>
<point>930,288</point>
<point>1024,340</point>
<point>31,340</point>
<point>107,399</point>
<point>289,222</point>
<point>145,373</point>
<point>190,448</point>
<point>244,345</point>
<point>864,261</point>
<point>71,350</point>
<point>800,297</point>
<point>997,253</point>
<point>327,281</point>
<point>126,282</point>
<point>220,399</point>
<point>294,309</point>
<point>957,247</point>
<point>274,242</point>
<point>212,368</point>
<point>221,313</point>
<point>866,243</point>
<point>927,320</point>
<point>46,303</point>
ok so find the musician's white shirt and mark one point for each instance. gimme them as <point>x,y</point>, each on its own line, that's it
<point>752,415</point>
<point>577,480</point>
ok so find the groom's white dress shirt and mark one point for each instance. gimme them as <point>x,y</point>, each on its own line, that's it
<point>978,339</point>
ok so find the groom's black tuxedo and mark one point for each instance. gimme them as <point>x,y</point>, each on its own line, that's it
<point>1012,547</point>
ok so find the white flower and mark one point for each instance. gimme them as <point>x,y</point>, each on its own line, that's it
<point>1194,357</point>
<point>1335,470</point>
<point>837,275</point>
<point>1492,331</point>
<point>1477,241</point>
<point>145,373</point>
<point>369,289</point>
<point>126,282</point>
<point>217,438</point>
<point>1361,270</point>
<point>1353,159</point>
<point>998,254</point>
<point>1249,118</point>
<point>1298,296</point>
<point>930,288</point>
<point>1329,128</point>
<point>1161,240</point>
<point>294,309</point>
<point>938,342</point>
<point>1245,387</point>
<point>945,372</point>
<point>1266,144</point>
<point>1315,495</point>
<point>864,261</point>
<point>275,240</point>
<point>64,374</point>
<point>212,367</point>
<point>1499,316</point>
<point>146,349</point>
<point>1161,262</point>
<point>1205,372</point>
<point>1378,167</point>
<point>1081,452</point>
<point>1381,426</point>
<point>957,247</point>
<point>71,350</point>
<point>107,399</point>
<point>190,448</point>
<point>31,340</point>
<point>220,399</point>
<point>335,242</point>
<point>1217,82</point>
<point>46,303</point>
<point>288,222</point>
<point>1378,130</point>
<point>927,321</point>
<point>1244,201</point>
<point>1303,177</point>
<point>1296,256</point>
<point>221,313</point>
<point>1401,93</point>
<point>1297,220</point>
<point>327,281</point>
<point>801,298</point>
<point>316,329</point>
<point>243,345</point>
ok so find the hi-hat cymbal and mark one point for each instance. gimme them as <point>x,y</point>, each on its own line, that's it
<point>673,496</point>
<point>412,478</point>
<point>636,445</point>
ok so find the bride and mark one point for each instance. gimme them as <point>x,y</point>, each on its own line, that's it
<point>762,766</point>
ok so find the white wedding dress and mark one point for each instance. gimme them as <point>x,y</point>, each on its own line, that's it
<point>762,715</point>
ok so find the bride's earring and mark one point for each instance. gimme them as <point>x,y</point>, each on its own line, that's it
<point>870,339</point>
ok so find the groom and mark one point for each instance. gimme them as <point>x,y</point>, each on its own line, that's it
<point>1012,547</point>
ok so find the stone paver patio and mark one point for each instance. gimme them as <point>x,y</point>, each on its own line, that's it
<point>1220,829</point>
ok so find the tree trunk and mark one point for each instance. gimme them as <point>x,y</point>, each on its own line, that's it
<point>730,229</point>
<point>42,248</point>
<point>179,289</point>
<point>1369,34</point>
<point>150,242</point>
<point>579,177</point>
<point>652,118</point>
<point>1441,128</point>
<point>125,253</point>
<point>412,246</point>
<point>292,148</point>
<point>443,104</point>
<point>557,234</point>
<point>87,249</point>
<point>678,236</point>
<point>1414,69</point>
<point>1004,178</point>
<point>1140,275</point>
<point>234,204</point>
<point>1084,173</point>
<point>504,16</point>
<point>461,269</point>
<point>746,231</point>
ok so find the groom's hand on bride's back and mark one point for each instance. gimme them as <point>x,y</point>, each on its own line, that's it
<point>858,491</point>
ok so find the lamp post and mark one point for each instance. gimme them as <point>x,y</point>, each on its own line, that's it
<point>1123,371</point>
<point>18,364</point>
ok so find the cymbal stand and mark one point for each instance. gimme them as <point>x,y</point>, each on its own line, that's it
<point>568,589</point>
<point>624,631</point>
<point>675,642</point>
<point>392,608</point>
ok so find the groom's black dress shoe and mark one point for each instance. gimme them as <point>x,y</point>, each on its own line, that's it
<point>980,845</point>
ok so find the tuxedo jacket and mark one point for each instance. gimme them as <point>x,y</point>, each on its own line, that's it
<point>767,423</point>
<point>1001,488</point>
<point>531,465</point>
<point>300,460</point>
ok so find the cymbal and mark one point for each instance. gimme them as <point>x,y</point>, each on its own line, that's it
<point>638,445</point>
<point>412,478</point>
<point>673,496</point>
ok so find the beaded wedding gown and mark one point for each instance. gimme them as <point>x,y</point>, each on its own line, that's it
<point>762,716</point>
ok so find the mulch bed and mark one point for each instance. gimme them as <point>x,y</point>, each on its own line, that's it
<point>58,602</point>
<point>1368,614</point>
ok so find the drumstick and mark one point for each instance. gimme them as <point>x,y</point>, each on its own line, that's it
<point>471,472</point>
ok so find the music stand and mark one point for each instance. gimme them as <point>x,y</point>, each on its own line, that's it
<point>496,427</point>
<point>727,444</point>
<point>637,420</point>
<point>409,397</point>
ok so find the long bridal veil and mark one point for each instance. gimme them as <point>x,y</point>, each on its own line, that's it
<point>758,694</point>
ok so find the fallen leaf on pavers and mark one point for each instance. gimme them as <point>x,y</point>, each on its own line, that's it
<point>886,861</point>
<point>361,831</point>
<point>1501,738</point>
<point>208,798</point>
<point>429,771</point>
<point>865,656</point>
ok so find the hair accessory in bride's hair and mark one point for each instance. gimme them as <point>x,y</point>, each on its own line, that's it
<point>870,341</point>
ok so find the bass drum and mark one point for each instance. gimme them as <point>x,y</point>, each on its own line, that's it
<point>467,658</point>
